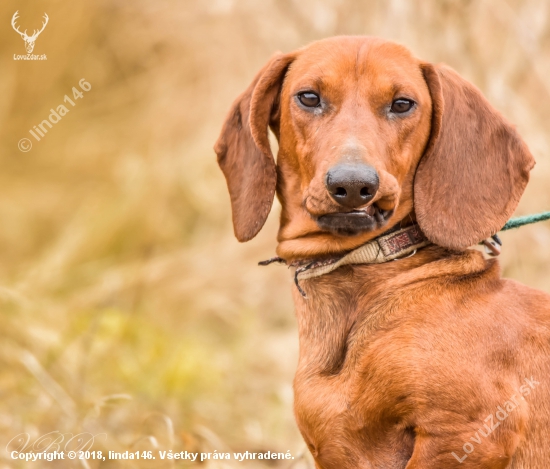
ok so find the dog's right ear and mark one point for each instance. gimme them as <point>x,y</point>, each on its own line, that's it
<point>243,150</point>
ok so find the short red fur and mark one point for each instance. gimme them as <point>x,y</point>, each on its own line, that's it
<point>405,364</point>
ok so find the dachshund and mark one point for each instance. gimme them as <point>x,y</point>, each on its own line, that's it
<point>414,352</point>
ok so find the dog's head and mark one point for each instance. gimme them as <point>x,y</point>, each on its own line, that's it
<point>368,136</point>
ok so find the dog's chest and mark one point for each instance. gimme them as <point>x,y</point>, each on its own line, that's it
<point>351,400</point>
<point>339,423</point>
<point>359,376</point>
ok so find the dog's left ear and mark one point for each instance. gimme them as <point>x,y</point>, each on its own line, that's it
<point>475,166</point>
<point>243,150</point>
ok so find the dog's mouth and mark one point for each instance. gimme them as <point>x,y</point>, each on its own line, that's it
<point>355,222</point>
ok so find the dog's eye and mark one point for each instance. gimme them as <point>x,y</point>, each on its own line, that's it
<point>399,106</point>
<point>309,99</point>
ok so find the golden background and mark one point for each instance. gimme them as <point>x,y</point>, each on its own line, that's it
<point>127,306</point>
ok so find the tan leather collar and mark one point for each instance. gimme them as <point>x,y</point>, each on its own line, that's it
<point>388,247</point>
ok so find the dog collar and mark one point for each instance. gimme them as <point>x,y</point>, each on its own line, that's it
<point>388,247</point>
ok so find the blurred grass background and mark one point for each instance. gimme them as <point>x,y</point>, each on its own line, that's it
<point>127,306</point>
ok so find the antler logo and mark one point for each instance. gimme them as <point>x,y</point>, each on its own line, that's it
<point>29,40</point>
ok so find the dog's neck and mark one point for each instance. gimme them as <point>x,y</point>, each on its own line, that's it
<point>392,245</point>
<point>402,240</point>
<point>360,298</point>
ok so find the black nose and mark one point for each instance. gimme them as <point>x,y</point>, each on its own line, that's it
<point>352,185</point>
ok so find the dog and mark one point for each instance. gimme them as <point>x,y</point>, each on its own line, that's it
<point>414,352</point>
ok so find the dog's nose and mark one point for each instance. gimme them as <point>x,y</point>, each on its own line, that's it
<point>352,185</point>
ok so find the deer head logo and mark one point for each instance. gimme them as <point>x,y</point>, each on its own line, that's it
<point>29,40</point>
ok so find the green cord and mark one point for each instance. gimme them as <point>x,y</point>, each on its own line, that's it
<point>526,220</point>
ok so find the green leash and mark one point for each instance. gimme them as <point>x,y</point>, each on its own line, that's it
<point>526,220</point>
<point>493,244</point>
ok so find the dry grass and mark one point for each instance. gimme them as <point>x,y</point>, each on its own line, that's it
<point>127,306</point>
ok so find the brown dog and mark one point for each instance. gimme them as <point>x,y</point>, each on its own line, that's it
<point>433,361</point>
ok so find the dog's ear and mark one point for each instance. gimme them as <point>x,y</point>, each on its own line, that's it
<point>475,166</point>
<point>243,150</point>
